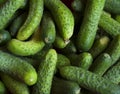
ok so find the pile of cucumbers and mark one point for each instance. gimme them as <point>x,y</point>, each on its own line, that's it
<point>59,46</point>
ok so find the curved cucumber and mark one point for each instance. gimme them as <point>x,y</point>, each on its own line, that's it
<point>32,21</point>
<point>89,80</point>
<point>45,73</point>
<point>62,16</point>
<point>48,28</point>
<point>14,86</point>
<point>18,68</point>
<point>25,48</point>
<point>88,28</point>
<point>8,10</point>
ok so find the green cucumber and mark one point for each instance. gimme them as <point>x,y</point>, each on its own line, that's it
<point>26,48</point>
<point>13,85</point>
<point>8,10</point>
<point>18,68</point>
<point>3,89</point>
<point>60,86</point>
<point>45,73</point>
<point>117,18</point>
<point>48,28</point>
<point>101,64</point>
<point>63,17</point>
<point>32,21</point>
<point>88,28</point>
<point>89,80</point>
<point>99,46</point>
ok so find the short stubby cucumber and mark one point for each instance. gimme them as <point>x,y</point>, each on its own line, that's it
<point>89,80</point>
<point>62,16</point>
<point>88,28</point>
<point>32,21</point>
<point>13,85</point>
<point>25,48</point>
<point>18,68</point>
<point>45,73</point>
<point>8,10</point>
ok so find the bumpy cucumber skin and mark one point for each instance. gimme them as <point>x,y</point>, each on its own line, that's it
<point>48,28</point>
<point>8,10</point>
<point>14,86</point>
<point>110,25</point>
<point>89,80</point>
<point>88,28</point>
<point>60,86</point>
<point>45,73</point>
<point>32,21</point>
<point>112,6</point>
<point>62,16</point>
<point>18,68</point>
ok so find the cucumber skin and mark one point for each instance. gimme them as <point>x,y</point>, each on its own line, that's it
<point>18,68</point>
<point>2,88</point>
<point>62,16</point>
<point>8,10</point>
<point>45,73</point>
<point>32,21</point>
<point>89,80</point>
<point>88,28</point>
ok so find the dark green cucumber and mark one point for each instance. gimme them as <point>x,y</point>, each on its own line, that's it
<point>112,6</point>
<point>110,25</point>
<point>99,46</point>
<point>48,28</point>
<point>89,80</point>
<point>88,28</point>
<point>13,85</point>
<point>26,48</point>
<point>18,68</point>
<point>32,21</point>
<point>3,89</point>
<point>101,64</point>
<point>62,16</point>
<point>45,73</point>
<point>8,10</point>
<point>60,86</point>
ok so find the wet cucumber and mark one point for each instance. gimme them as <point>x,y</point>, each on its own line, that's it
<point>14,86</point>
<point>45,73</point>
<point>62,16</point>
<point>18,68</point>
<point>88,28</point>
<point>89,80</point>
<point>8,10</point>
<point>32,21</point>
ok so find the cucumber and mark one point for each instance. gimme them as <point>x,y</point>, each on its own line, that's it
<point>112,6</point>
<point>3,89</point>
<point>32,21</point>
<point>101,64</point>
<point>89,80</point>
<point>88,28</point>
<point>8,10</point>
<point>45,73</point>
<point>117,18</point>
<point>26,48</point>
<point>18,68</point>
<point>60,86</point>
<point>99,46</point>
<point>63,17</point>
<point>48,28</point>
<point>13,85</point>
<point>110,25</point>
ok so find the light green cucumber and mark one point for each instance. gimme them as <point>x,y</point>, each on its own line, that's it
<point>89,80</point>
<point>13,85</point>
<point>26,48</point>
<point>63,17</point>
<point>88,28</point>
<point>18,68</point>
<point>45,73</point>
<point>8,10</point>
<point>48,28</point>
<point>33,20</point>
